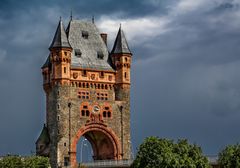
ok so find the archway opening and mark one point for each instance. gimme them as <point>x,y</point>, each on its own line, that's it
<point>84,151</point>
<point>95,145</point>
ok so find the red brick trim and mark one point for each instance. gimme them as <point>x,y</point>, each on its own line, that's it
<point>95,127</point>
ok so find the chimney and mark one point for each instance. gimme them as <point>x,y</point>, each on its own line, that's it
<point>104,37</point>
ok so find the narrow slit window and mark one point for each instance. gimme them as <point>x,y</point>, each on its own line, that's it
<point>65,70</point>
<point>87,113</point>
<point>83,112</point>
<point>104,114</point>
<point>66,161</point>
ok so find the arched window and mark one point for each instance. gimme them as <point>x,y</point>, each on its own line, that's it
<point>104,114</point>
<point>85,111</point>
<point>107,113</point>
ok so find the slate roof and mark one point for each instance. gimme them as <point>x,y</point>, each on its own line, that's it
<point>120,45</point>
<point>44,136</point>
<point>60,37</point>
<point>89,50</point>
<point>47,63</point>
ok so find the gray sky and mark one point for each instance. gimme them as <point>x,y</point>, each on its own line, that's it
<point>185,73</point>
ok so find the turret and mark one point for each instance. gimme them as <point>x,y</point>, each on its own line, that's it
<point>121,57</point>
<point>42,143</point>
<point>60,57</point>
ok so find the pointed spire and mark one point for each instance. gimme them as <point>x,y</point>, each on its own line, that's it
<point>71,17</point>
<point>60,37</point>
<point>120,45</point>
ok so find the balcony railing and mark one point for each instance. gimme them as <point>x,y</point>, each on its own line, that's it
<point>108,163</point>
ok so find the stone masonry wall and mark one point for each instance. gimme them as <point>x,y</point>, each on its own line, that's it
<point>58,118</point>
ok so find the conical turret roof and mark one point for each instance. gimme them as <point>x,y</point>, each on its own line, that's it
<point>60,37</point>
<point>120,45</point>
<point>44,136</point>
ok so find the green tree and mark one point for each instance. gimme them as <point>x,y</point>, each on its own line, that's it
<point>163,153</point>
<point>36,162</point>
<point>230,156</point>
<point>11,162</point>
<point>24,162</point>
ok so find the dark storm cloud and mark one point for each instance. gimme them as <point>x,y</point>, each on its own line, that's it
<point>83,9</point>
<point>185,75</point>
<point>194,70</point>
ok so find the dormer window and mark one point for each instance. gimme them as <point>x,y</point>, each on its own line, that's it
<point>100,55</point>
<point>78,53</point>
<point>85,34</point>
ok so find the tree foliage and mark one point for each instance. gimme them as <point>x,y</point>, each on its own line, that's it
<point>24,162</point>
<point>230,157</point>
<point>164,153</point>
<point>36,162</point>
<point>11,161</point>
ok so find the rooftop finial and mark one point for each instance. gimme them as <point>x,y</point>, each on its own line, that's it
<point>60,18</point>
<point>120,26</point>
<point>71,16</point>
<point>93,19</point>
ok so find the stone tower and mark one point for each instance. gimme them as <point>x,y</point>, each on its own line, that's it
<point>87,94</point>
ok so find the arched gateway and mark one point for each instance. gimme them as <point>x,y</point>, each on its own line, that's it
<point>104,142</point>
<point>87,94</point>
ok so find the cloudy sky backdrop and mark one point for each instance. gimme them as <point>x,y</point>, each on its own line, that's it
<point>185,72</point>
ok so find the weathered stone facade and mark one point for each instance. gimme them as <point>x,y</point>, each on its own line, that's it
<point>93,102</point>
